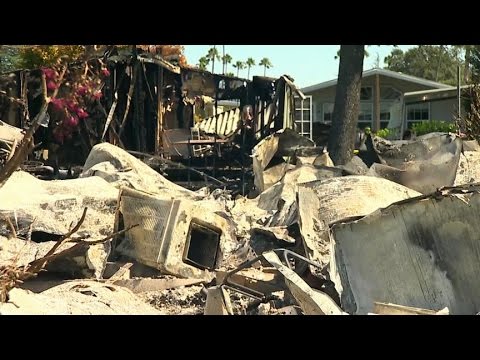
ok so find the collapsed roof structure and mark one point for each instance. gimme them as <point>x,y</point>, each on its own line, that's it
<point>152,106</point>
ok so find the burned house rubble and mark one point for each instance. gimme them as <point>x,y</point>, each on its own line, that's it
<point>161,210</point>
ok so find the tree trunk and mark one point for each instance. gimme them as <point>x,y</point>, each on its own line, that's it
<point>442,49</point>
<point>347,102</point>
<point>466,66</point>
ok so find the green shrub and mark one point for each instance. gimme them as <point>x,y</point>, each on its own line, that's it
<point>427,127</point>
<point>384,133</point>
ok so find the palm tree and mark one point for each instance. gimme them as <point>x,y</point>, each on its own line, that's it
<point>239,65</point>
<point>265,62</point>
<point>223,62</point>
<point>250,62</point>
<point>227,59</point>
<point>203,62</point>
<point>212,55</point>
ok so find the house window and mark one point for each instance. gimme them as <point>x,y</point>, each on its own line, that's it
<point>366,93</point>
<point>389,93</point>
<point>384,118</point>
<point>365,115</point>
<point>327,113</point>
<point>417,113</point>
<point>303,116</point>
<point>390,114</point>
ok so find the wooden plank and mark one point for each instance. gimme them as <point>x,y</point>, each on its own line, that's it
<point>142,285</point>
<point>218,302</point>
<point>159,127</point>
<point>312,302</point>
<point>200,142</point>
<point>122,273</point>
<point>264,282</point>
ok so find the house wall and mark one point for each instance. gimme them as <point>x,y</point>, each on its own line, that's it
<point>443,110</point>
<point>327,95</point>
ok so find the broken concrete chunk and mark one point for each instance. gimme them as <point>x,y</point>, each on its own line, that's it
<point>312,302</point>
<point>421,253</point>
<point>323,202</point>
<point>355,166</point>
<point>323,160</point>
<point>119,168</point>
<point>175,235</point>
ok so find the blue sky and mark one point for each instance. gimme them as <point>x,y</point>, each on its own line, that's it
<point>307,64</point>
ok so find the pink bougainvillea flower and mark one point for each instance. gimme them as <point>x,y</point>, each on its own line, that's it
<point>49,73</point>
<point>82,90</point>
<point>82,114</point>
<point>97,95</point>
<point>105,72</point>
<point>51,85</point>
<point>58,104</point>
<point>72,106</point>
<point>71,121</point>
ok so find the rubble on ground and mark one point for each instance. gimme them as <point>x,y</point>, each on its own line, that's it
<point>392,236</point>
<point>77,298</point>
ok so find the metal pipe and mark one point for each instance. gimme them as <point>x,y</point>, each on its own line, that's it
<point>459,101</point>
<point>215,153</point>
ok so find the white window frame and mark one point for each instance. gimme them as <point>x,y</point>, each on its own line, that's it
<point>371,109</point>
<point>407,120</point>
<point>301,122</point>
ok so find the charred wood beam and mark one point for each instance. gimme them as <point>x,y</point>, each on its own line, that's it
<point>129,99</point>
<point>113,107</point>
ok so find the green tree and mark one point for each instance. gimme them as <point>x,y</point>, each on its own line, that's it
<point>35,56</point>
<point>213,55</point>
<point>239,65</point>
<point>203,62</point>
<point>226,59</point>
<point>341,140</point>
<point>433,62</point>
<point>250,62</point>
<point>265,62</point>
<point>230,74</point>
<point>9,57</point>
